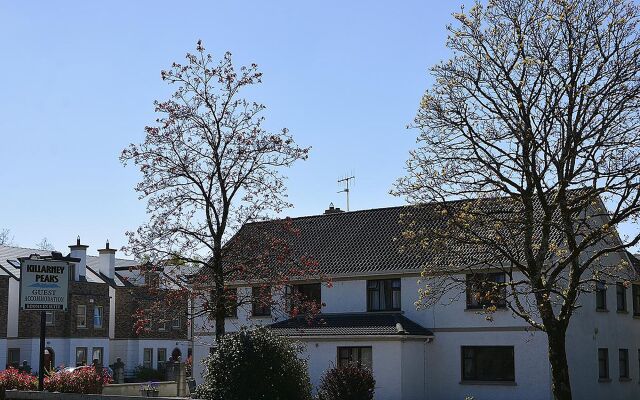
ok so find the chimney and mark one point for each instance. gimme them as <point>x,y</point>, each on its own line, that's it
<point>332,209</point>
<point>79,251</point>
<point>107,261</point>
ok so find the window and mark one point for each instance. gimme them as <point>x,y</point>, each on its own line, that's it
<point>601,296</point>
<point>362,356</point>
<point>175,323</point>
<point>98,313</point>
<point>162,357</point>
<point>621,297</point>
<point>261,301</point>
<point>623,363</point>
<point>13,357</point>
<point>162,325</point>
<point>51,318</point>
<point>488,363</point>
<point>303,295</point>
<point>231,298</point>
<point>603,364</point>
<point>635,293</point>
<point>81,356</point>
<point>147,360</point>
<point>81,317</point>
<point>98,353</point>
<point>486,290</point>
<point>383,295</point>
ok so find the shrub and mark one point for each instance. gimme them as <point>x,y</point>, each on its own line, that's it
<point>12,378</point>
<point>347,383</point>
<point>144,374</point>
<point>82,380</point>
<point>255,365</point>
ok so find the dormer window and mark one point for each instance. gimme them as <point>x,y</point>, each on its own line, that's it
<point>383,295</point>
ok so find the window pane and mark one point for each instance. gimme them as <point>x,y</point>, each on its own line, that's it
<point>383,295</point>
<point>81,356</point>
<point>81,316</point>
<point>621,297</point>
<point>488,363</point>
<point>361,356</point>
<point>601,296</point>
<point>97,354</point>
<point>623,361</point>
<point>603,363</point>
<point>486,290</point>
<point>97,316</point>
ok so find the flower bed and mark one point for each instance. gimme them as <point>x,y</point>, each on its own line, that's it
<point>82,380</point>
<point>13,379</point>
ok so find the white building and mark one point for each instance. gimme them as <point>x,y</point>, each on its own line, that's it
<point>448,351</point>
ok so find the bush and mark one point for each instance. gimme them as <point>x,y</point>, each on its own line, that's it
<point>255,365</point>
<point>144,374</point>
<point>12,378</point>
<point>82,380</point>
<point>347,383</point>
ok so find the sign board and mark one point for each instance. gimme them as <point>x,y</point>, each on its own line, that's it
<point>44,284</point>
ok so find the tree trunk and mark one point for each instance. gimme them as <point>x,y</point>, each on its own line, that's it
<point>220,300</point>
<point>560,382</point>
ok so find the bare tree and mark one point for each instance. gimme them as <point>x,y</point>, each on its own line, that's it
<point>6,239</point>
<point>45,244</point>
<point>209,167</point>
<point>533,126</point>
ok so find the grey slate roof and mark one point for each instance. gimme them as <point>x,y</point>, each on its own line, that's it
<point>351,324</point>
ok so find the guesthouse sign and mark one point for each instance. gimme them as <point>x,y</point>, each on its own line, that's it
<point>44,284</point>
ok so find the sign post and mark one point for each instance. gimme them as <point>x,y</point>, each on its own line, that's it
<point>44,286</point>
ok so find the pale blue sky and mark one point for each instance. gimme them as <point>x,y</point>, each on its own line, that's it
<point>79,79</point>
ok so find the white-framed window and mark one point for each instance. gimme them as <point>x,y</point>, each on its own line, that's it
<point>488,364</point>
<point>147,360</point>
<point>98,354</point>
<point>98,316</point>
<point>81,356</point>
<point>175,323</point>
<point>81,316</point>
<point>383,295</point>
<point>51,318</point>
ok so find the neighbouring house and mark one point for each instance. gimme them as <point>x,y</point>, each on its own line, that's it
<point>163,335</point>
<point>447,351</point>
<point>104,294</point>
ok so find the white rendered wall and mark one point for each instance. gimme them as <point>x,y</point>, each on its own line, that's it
<point>14,307</point>
<point>63,348</point>
<point>131,351</point>
<point>3,353</point>
<point>345,296</point>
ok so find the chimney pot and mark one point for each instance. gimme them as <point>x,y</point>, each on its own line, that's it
<point>332,209</point>
<point>107,261</point>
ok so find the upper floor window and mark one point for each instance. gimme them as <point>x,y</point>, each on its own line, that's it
<point>261,301</point>
<point>81,316</point>
<point>488,363</point>
<point>601,296</point>
<point>383,295</point>
<point>51,318</point>
<point>486,290</point>
<point>175,323</point>
<point>231,302</point>
<point>635,293</point>
<point>303,295</point>
<point>98,316</point>
<point>621,297</point>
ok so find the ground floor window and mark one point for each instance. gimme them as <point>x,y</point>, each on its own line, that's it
<point>488,363</point>
<point>98,354</point>
<point>162,358</point>
<point>362,356</point>
<point>13,358</point>
<point>623,361</point>
<point>147,360</point>
<point>603,363</point>
<point>81,356</point>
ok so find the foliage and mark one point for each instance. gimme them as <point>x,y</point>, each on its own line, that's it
<point>83,380</point>
<point>533,125</point>
<point>13,379</point>
<point>209,166</point>
<point>144,374</point>
<point>255,364</point>
<point>349,382</point>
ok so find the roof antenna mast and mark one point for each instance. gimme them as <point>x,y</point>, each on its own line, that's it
<point>346,181</point>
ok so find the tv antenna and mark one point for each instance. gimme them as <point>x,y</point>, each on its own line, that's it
<point>346,181</point>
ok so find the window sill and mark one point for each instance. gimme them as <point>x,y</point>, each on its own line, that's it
<point>622,311</point>
<point>636,316</point>
<point>601,310</point>
<point>624,379</point>
<point>385,311</point>
<point>604,380</point>
<point>489,383</point>
<point>483,309</point>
